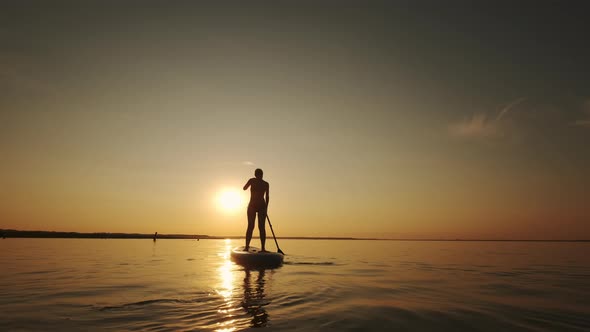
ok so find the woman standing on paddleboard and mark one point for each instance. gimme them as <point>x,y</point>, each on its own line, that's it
<point>259,199</point>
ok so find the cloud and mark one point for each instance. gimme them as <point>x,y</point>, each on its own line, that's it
<point>585,121</point>
<point>479,125</point>
<point>247,163</point>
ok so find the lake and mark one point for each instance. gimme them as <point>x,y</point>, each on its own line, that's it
<point>341,285</point>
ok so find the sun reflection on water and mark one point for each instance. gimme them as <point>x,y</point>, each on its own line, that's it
<point>226,290</point>
<point>227,279</point>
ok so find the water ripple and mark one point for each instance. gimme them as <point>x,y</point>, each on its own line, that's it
<point>324,285</point>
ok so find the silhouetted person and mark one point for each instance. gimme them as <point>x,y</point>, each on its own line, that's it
<point>155,236</point>
<point>259,199</point>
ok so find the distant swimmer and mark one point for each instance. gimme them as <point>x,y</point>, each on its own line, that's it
<point>259,198</point>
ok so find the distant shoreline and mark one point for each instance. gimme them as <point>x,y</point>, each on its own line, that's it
<point>11,233</point>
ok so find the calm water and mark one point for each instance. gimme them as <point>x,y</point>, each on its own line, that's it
<point>186,285</point>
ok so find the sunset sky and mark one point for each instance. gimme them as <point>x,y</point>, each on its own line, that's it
<point>391,119</point>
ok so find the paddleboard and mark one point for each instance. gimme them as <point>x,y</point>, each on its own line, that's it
<point>254,258</point>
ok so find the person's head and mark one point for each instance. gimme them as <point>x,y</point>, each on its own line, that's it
<point>258,173</point>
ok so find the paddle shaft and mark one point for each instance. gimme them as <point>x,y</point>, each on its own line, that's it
<point>273,235</point>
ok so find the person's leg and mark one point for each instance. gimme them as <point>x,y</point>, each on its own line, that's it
<point>261,228</point>
<point>251,220</point>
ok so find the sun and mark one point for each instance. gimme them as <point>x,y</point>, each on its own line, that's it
<point>230,200</point>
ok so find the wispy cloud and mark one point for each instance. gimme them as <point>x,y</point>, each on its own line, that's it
<point>477,126</point>
<point>585,121</point>
<point>247,163</point>
<point>480,125</point>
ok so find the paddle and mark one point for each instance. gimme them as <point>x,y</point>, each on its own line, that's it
<point>273,235</point>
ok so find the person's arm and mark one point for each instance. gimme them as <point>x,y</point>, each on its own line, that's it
<point>247,184</point>
<point>267,195</point>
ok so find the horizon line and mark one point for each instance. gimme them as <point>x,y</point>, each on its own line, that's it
<point>122,235</point>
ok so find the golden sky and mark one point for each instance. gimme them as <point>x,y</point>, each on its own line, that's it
<point>373,121</point>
